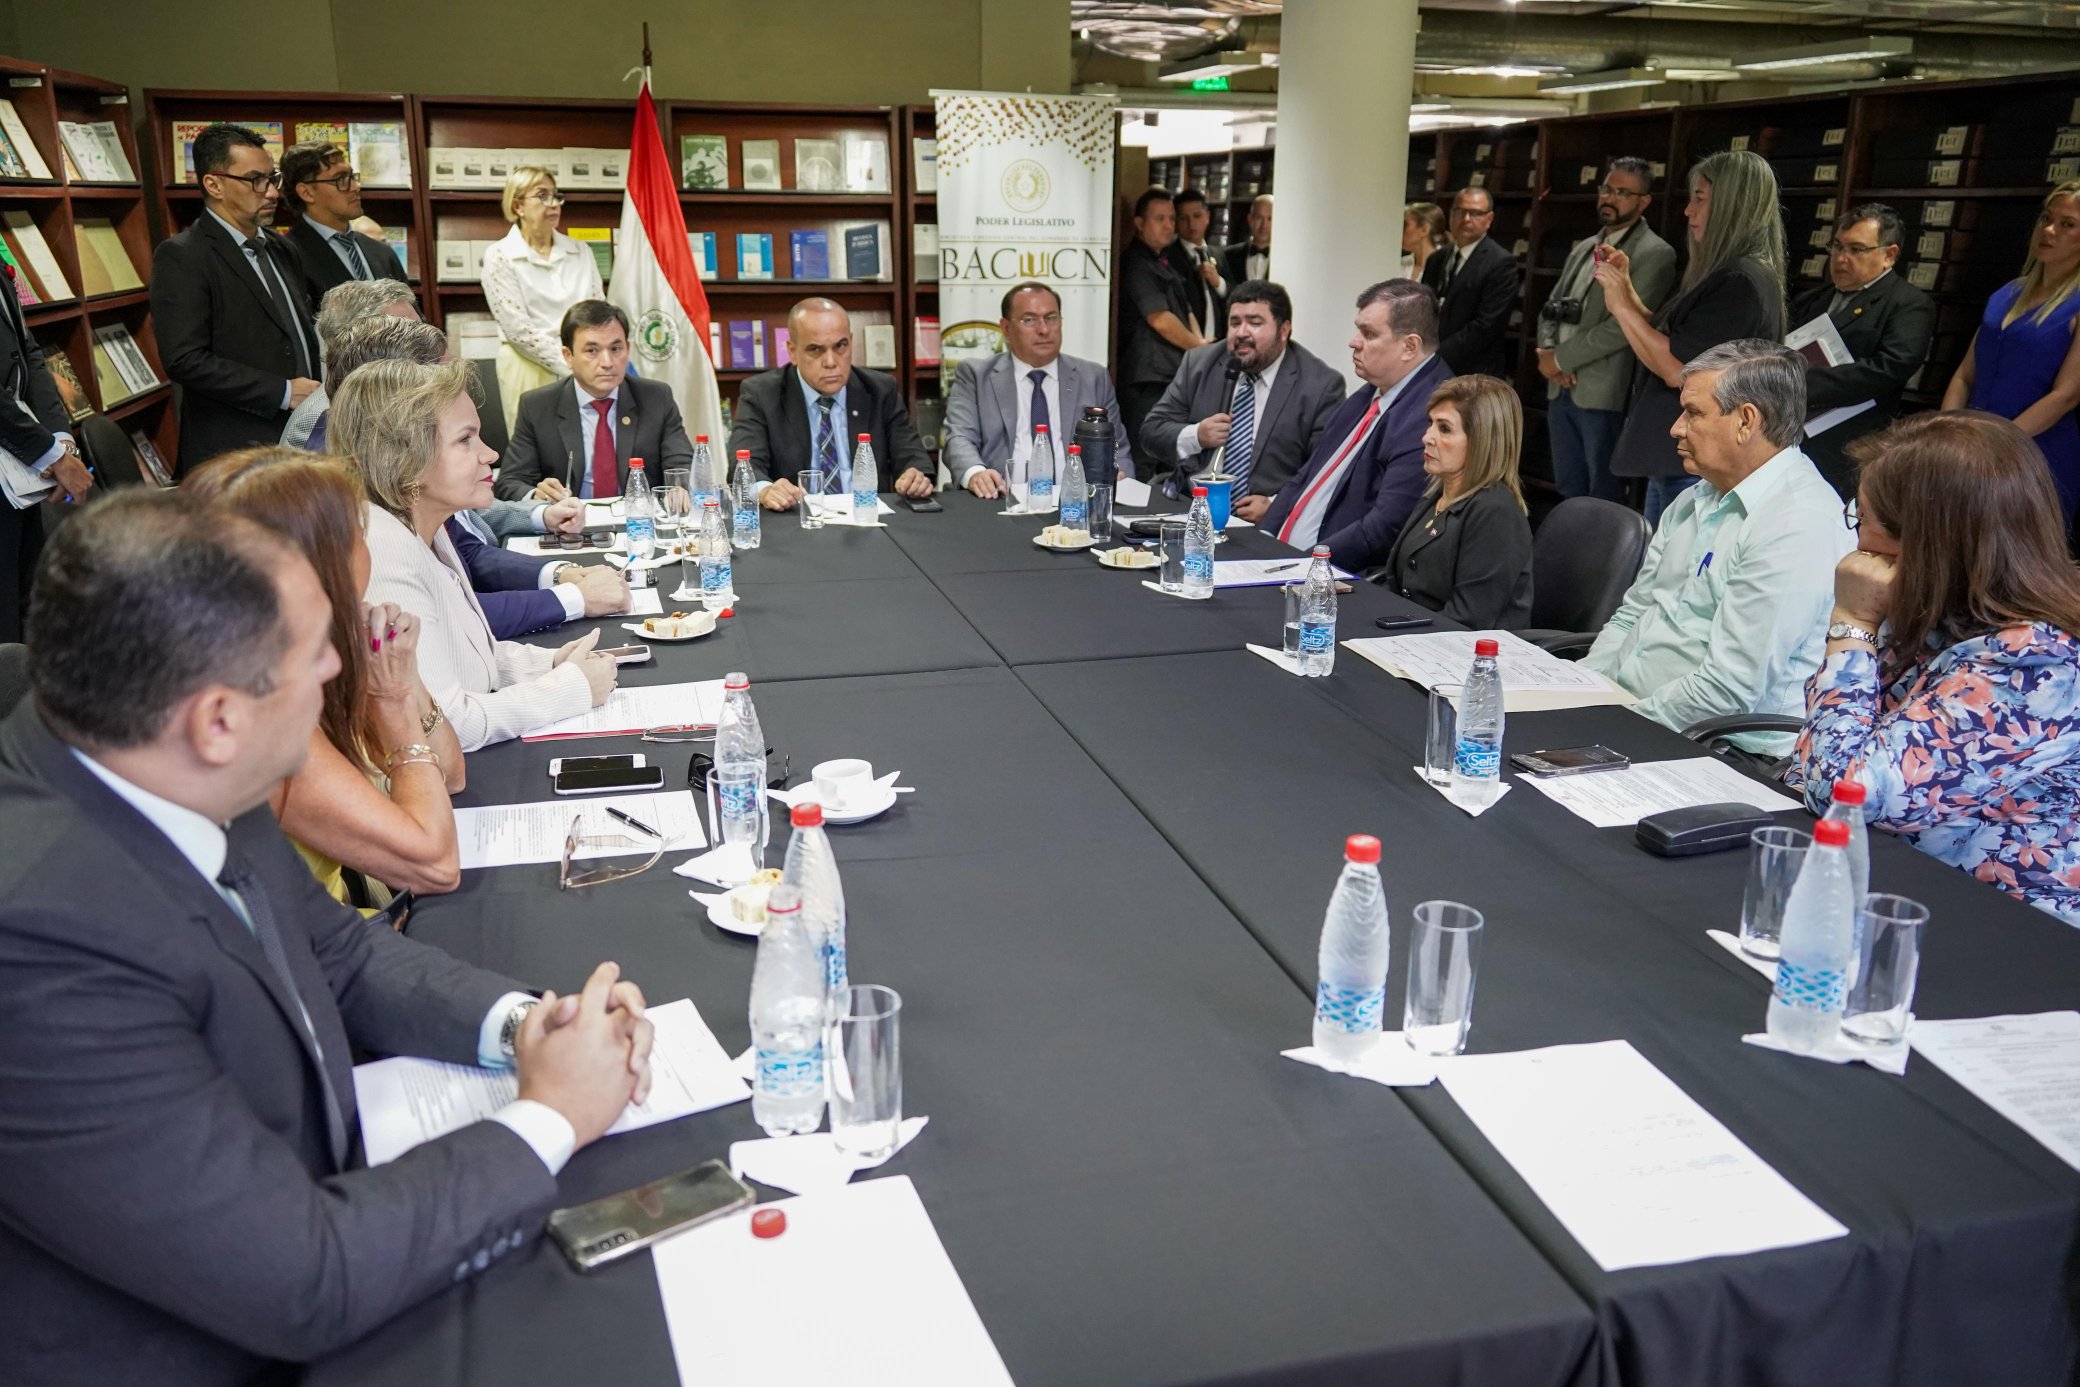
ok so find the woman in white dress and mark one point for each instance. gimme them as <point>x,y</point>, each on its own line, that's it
<point>531,279</point>
<point>413,430</point>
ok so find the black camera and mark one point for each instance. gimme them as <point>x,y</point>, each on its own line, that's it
<point>1568,311</point>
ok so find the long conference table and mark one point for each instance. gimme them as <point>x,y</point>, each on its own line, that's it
<point>1101,908</point>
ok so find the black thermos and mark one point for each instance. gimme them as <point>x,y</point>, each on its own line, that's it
<point>1094,434</point>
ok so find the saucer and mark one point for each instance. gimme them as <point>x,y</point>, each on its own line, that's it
<point>1065,548</point>
<point>637,627</point>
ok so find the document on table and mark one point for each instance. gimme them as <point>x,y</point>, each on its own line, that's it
<point>1632,1167</point>
<point>1264,573</point>
<point>632,710</point>
<point>2026,1068</point>
<point>405,1101</point>
<point>1618,799</point>
<point>804,1307</point>
<point>1129,492</point>
<point>1532,680</point>
<point>645,602</point>
<point>513,835</point>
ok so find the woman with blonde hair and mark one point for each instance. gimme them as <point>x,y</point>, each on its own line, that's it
<point>1732,288</point>
<point>373,793</point>
<point>1466,551</point>
<point>2024,361</point>
<point>1424,232</point>
<point>413,430</point>
<point>531,279</point>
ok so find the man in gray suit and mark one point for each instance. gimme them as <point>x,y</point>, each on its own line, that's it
<point>183,1199</point>
<point>994,403</point>
<point>1581,352</point>
<point>1256,393</point>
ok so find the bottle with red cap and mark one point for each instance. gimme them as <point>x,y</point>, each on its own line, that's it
<point>1317,653</point>
<point>1350,988</point>
<point>704,480</point>
<point>745,521</point>
<point>1848,807</point>
<point>866,479</point>
<point>1817,948</point>
<point>639,512</point>
<point>813,870</point>
<point>1076,496</point>
<point>1477,753</point>
<point>788,1007</point>
<point>1198,547</point>
<point>1039,499</point>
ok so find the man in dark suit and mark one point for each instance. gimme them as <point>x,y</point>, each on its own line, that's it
<point>35,428</point>
<point>1155,311</point>
<point>1198,263</point>
<point>322,193</point>
<point>1362,483</point>
<point>1885,322</point>
<point>811,414</point>
<point>521,595</point>
<point>1257,376</point>
<point>183,1196</point>
<point>575,437</point>
<point>1251,259</point>
<point>232,307</point>
<point>1476,287</point>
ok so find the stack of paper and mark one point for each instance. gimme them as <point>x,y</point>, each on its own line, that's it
<point>1618,799</point>
<point>1532,680</point>
<point>515,835</point>
<point>2026,1068</point>
<point>632,710</point>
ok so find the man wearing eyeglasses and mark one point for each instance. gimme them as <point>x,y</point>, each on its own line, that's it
<point>232,305</point>
<point>1476,286</point>
<point>995,402</point>
<point>1886,324</point>
<point>322,191</point>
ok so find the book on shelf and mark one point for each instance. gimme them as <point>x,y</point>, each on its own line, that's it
<point>580,169</point>
<point>762,165</point>
<point>378,150</point>
<point>809,254</point>
<point>456,262</point>
<point>877,343</point>
<point>497,167</point>
<point>783,347</point>
<point>399,239</point>
<point>747,344</point>
<point>96,150</point>
<point>866,162</point>
<point>11,164</point>
<point>269,131</point>
<point>866,250</point>
<point>715,356</point>
<point>104,262</point>
<point>148,456</point>
<point>332,132</point>
<point>34,254</point>
<point>702,243</point>
<point>472,335</point>
<point>24,287</point>
<point>24,145</point>
<point>600,241</point>
<point>183,133</point>
<point>818,166</point>
<point>610,170</point>
<point>128,357</point>
<point>704,163</point>
<point>754,255</point>
<point>925,252</point>
<point>925,340</point>
<point>924,164</point>
<point>551,161</point>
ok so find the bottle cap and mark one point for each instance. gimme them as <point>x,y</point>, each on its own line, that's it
<point>744,454</point>
<point>1850,792</point>
<point>1321,551</point>
<point>736,679</point>
<point>700,438</point>
<point>1198,491</point>
<point>768,1223</point>
<point>1831,833</point>
<point>1039,428</point>
<point>1486,647</point>
<point>711,501</point>
<point>864,438</point>
<point>809,814</point>
<point>1074,451</point>
<point>636,463</point>
<point>1361,847</point>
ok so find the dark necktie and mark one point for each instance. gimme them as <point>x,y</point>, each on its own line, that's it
<point>1451,269</point>
<point>606,476</point>
<point>826,444</point>
<point>357,263</point>
<point>1041,418</point>
<point>251,904</point>
<point>1242,427</point>
<point>285,312</point>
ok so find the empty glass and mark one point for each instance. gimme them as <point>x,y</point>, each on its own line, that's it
<point>1101,514</point>
<point>1775,858</point>
<point>1171,535</point>
<point>1888,961</point>
<point>811,505</point>
<point>1441,734</point>
<point>1296,596</point>
<point>864,1055</point>
<point>1444,955</point>
<point>675,501</point>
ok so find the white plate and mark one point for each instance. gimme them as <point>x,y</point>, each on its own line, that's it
<point>858,813</point>
<point>1154,561</point>
<point>637,627</point>
<point>1065,548</point>
<point>719,916</point>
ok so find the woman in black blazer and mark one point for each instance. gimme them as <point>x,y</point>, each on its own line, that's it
<point>1466,552</point>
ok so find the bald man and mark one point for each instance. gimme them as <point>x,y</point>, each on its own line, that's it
<point>1251,259</point>
<point>810,415</point>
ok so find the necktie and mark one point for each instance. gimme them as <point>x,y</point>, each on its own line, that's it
<point>251,903</point>
<point>1330,473</point>
<point>1040,415</point>
<point>606,477</point>
<point>826,444</point>
<point>285,313</point>
<point>359,262</point>
<point>1242,426</point>
<point>1451,270</point>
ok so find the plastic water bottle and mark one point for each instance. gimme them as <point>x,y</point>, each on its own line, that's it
<point>1076,496</point>
<point>641,508</point>
<point>787,1013</point>
<point>737,788</point>
<point>706,485</point>
<point>1818,944</point>
<point>745,521</point>
<point>1318,617</point>
<point>716,589</point>
<point>1040,472</point>
<point>866,480</point>
<point>1848,807</point>
<point>1350,990</point>
<point>1477,756</point>
<point>1198,547</point>
<point>814,871</point>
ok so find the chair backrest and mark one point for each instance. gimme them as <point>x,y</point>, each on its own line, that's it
<point>1583,558</point>
<point>491,414</point>
<point>14,676</point>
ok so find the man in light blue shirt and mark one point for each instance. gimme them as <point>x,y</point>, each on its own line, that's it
<point>1729,612</point>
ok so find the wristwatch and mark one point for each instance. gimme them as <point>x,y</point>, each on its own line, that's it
<point>1843,631</point>
<point>574,570</point>
<point>508,1032</point>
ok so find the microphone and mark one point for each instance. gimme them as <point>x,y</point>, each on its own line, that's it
<point>1233,374</point>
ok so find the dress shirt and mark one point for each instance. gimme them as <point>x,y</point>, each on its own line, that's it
<point>270,280</point>
<point>1307,525</point>
<point>1203,294</point>
<point>1260,395</point>
<point>1022,392</point>
<point>546,1131</point>
<point>588,431</point>
<point>569,594</point>
<point>841,431</point>
<point>339,241</point>
<point>1258,262</point>
<point>529,293</point>
<point>1729,613</point>
<point>1834,305</point>
<point>304,421</point>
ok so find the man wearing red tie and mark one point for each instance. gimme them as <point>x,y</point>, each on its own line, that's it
<point>1366,475</point>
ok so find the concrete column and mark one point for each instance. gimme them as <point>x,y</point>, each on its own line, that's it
<point>1346,68</point>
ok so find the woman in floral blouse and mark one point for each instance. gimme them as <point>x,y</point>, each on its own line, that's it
<point>1951,682</point>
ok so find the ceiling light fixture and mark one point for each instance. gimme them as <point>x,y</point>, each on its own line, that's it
<point>1215,65</point>
<point>1865,49</point>
<point>1612,80</point>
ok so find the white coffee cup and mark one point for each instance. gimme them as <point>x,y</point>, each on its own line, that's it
<point>843,783</point>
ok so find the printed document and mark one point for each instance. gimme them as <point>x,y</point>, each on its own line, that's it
<point>2026,1068</point>
<point>627,710</point>
<point>513,835</point>
<point>1532,680</point>
<point>1617,799</point>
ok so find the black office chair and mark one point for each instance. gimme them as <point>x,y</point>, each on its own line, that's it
<point>1583,558</point>
<point>1712,733</point>
<point>14,676</point>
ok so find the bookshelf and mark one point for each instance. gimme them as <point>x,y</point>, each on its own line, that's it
<point>1231,180</point>
<point>917,269</point>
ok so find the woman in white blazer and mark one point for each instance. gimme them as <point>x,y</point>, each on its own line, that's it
<point>531,278</point>
<point>414,432</point>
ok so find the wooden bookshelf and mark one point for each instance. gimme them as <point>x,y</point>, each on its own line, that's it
<point>926,388</point>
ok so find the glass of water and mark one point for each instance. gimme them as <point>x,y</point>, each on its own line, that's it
<point>1775,858</point>
<point>864,1054</point>
<point>1101,514</point>
<point>1881,1000</point>
<point>675,502</point>
<point>1441,734</point>
<point>1444,955</point>
<point>1171,535</point>
<point>1295,595</point>
<point>811,506</point>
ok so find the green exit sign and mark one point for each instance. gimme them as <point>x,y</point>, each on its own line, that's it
<point>1209,84</point>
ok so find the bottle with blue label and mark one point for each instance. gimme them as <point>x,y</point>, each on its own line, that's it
<point>640,505</point>
<point>1350,989</point>
<point>1076,496</point>
<point>866,480</point>
<point>745,520</point>
<point>1817,948</point>
<point>716,589</point>
<point>1477,753</point>
<point>788,1009</point>
<point>1198,547</point>
<point>1040,497</point>
<point>704,476</point>
<point>1317,655</point>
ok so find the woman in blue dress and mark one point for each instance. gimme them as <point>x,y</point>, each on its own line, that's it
<point>2024,362</point>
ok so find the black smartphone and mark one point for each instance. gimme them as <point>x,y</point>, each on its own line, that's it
<point>606,1230</point>
<point>593,782</point>
<point>559,764</point>
<point>1573,760</point>
<point>1403,623</point>
<point>923,505</point>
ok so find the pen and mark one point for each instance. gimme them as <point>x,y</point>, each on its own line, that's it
<point>1282,568</point>
<point>633,823</point>
<point>1704,563</point>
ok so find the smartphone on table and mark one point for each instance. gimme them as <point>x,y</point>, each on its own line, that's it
<point>1574,760</point>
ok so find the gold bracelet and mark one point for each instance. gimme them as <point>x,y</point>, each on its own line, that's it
<point>429,721</point>
<point>417,754</point>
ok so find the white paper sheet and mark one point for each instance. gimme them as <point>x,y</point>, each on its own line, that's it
<point>1619,799</point>
<point>807,1164</point>
<point>1129,492</point>
<point>1827,418</point>
<point>513,835</point>
<point>804,1307</point>
<point>1532,680</point>
<point>404,1102</point>
<point>1634,1169</point>
<point>1820,332</point>
<point>1276,657</point>
<point>1840,1050</point>
<point>645,602</point>
<point>2026,1068</point>
<point>632,710</point>
<point>1389,1061</point>
<point>1264,573</point>
<point>727,866</point>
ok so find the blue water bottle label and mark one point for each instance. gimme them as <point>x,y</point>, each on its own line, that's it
<point>738,801</point>
<point>1073,514</point>
<point>1042,487</point>
<point>714,577</point>
<point>1198,568</point>
<point>639,530</point>
<point>745,520</point>
<point>1317,637</point>
<point>834,964</point>
<point>790,1073</point>
<point>1811,989</point>
<point>1476,759</point>
<point>701,498</point>
<point>863,503</point>
<point>1348,1008</point>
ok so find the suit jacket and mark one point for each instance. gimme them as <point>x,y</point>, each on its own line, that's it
<point>1209,305</point>
<point>323,267</point>
<point>1739,299</point>
<point>25,384</point>
<point>508,585</point>
<point>982,410</point>
<point>1148,284</point>
<point>1887,326</point>
<point>170,1208</point>
<point>1380,487</point>
<point>772,424</point>
<point>226,341</point>
<point>1596,351</point>
<point>549,442</point>
<point>1473,317</point>
<point>1472,563</point>
<point>1304,393</point>
<point>1235,263</point>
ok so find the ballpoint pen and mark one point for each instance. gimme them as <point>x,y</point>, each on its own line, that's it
<point>633,822</point>
<point>1282,568</point>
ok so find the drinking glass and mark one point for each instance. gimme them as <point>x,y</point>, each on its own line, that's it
<point>1441,734</point>
<point>1101,514</point>
<point>811,506</point>
<point>1444,955</point>
<point>1775,857</point>
<point>864,1055</point>
<point>1296,597</point>
<point>1018,474</point>
<point>1171,533</point>
<point>1888,960</point>
<point>675,502</point>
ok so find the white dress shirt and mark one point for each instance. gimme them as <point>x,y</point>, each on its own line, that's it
<point>271,280</point>
<point>1260,395</point>
<point>588,432</point>
<point>546,1131</point>
<point>529,294</point>
<point>1258,262</point>
<point>1022,393</point>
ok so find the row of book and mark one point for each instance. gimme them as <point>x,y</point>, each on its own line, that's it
<point>92,150</point>
<point>575,168</point>
<point>120,367</point>
<point>760,344</point>
<point>855,162</point>
<point>841,251</point>
<point>377,149</point>
<point>105,266</point>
